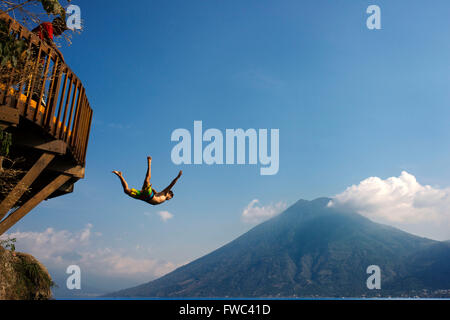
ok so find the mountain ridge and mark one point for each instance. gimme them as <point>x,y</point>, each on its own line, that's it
<point>308,250</point>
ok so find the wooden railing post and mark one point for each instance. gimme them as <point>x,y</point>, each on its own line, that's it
<point>61,101</point>
<point>53,94</point>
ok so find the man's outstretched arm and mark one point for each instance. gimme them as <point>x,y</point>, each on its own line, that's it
<point>170,186</point>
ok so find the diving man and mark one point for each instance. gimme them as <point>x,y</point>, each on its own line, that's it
<point>148,193</point>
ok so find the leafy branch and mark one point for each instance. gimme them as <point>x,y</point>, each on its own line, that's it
<point>9,244</point>
<point>5,142</point>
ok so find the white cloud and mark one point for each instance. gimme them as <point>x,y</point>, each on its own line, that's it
<point>164,215</point>
<point>59,249</point>
<point>402,202</point>
<point>255,214</point>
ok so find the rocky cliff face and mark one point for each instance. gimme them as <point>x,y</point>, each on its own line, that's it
<point>22,277</point>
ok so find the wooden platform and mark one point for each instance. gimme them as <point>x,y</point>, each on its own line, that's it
<point>50,129</point>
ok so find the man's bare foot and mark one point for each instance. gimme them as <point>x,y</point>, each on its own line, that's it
<point>117,173</point>
<point>149,158</point>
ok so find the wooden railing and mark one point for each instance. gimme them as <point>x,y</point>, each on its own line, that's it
<point>59,105</point>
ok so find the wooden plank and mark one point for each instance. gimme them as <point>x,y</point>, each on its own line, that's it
<point>87,137</point>
<point>75,171</point>
<point>64,134</point>
<point>8,114</point>
<point>85,134</point>
<point>22,85</point>
<point>43,81</point>
<point>53,93</point>
<point>66,188</point>
<point>18,214</point>
<point>77,115</point>
<point>53,146</point>
<point>25,183</point>
<point>72,111</point>
<point>76,132</point>
<point>31,84</point>
<point>80,131</point>
<point>61,101</point>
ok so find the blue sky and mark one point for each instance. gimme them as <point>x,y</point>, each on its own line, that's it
<point>350,103</point>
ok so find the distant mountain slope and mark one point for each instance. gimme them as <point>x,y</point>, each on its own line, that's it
<point>309,250</point>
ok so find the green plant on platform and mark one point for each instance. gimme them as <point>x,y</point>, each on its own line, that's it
<point>5,142</point>
<point>51,7</point>
<point>13,51</point>
<point>15,64</point>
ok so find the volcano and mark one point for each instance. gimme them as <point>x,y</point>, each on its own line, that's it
<point>311,250</point>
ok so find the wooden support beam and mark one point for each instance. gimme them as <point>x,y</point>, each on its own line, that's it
<point>66,188</point>
<point>25,183</point>
<point>9,115</point>
<point>52,146</point>
<point>75,171</point>
<point>18,214</point>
